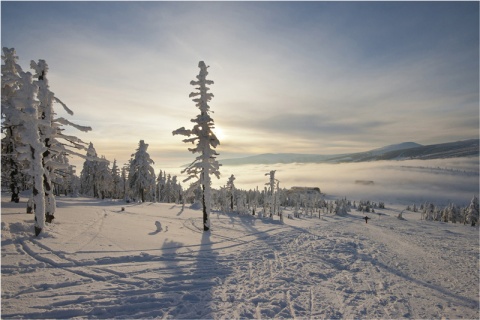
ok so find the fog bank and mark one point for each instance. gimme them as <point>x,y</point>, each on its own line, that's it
<point>441,181</point>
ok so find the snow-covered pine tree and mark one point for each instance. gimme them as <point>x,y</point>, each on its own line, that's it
<point>341,207</point>
<point>168,191</point>
<point>61,178</point>
<point>90,173</point>
<point>206,142</point>
<point>72,182</point>
<point>11,166</point>
<point>46,130</point>
<point>21,110</point>
<point>52,136</point>
<point>125,184</point>
<point>104,179</point>
<point>231,190</point>
<point>33,148</point>
<point>176,190</point>
<point>141,173</point>
<point>453,213</point>
<point>160,189</point>
<point>429,210</point>
<point>116,180</point>
<point>472,212</point>
<point>271,183</point>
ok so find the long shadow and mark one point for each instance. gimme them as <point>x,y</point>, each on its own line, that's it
<point>206,262</point>
<point>192,286</point>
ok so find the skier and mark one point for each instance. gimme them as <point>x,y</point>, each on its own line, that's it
<point>366,219</point>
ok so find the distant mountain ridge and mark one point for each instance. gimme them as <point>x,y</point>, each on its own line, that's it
<point>401,151</point>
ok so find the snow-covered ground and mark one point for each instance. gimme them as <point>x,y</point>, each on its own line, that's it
<point>97,261</point>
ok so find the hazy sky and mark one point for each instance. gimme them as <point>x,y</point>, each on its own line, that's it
<point>303,77</point>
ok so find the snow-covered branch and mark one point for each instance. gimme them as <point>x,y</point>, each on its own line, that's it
<point>64,121</point>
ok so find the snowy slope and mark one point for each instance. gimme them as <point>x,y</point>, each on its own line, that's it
<point>97,261</point>
<point>395,147</point>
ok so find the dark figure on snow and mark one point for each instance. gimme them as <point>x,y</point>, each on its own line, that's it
<point>366,219</point>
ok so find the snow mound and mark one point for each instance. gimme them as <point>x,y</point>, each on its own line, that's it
<point>19,227</point>
<point>196,206</point>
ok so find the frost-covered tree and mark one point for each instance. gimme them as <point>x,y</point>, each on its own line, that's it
<point>21,109</point>
<point>88,176</point>
<point>231,190</point>
<point>176,190</point>
<point>202,135</point>
<point>11,166</point>
<point>62,177</point>
<point>125,183</point>
<point>33,148</point>
<point>160,189</point>
<point>56,142</point>
<point>429,211</point>
<point>453,213</point>
<point>341,208</point>
<point>104,179</point>
<point>71,182</point>
<point>168,190</point>
<point>472,212</point>
<point>141,173</point>
<point>271,183</point>
<point>116,180</point>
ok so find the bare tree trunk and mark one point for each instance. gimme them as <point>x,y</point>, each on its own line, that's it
<point>13,173</point>
<point>38,192</point>
<point>14,183</point>
<point>205,216</point>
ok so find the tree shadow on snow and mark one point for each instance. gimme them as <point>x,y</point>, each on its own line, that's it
<point>189,289</point>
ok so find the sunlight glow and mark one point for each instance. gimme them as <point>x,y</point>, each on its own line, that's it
<point>219,133</point>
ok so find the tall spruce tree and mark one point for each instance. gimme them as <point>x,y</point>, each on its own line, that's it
<point>21,108</point>
<point>89,174</point>
<point>11,166</point>
<point>141,174</point>
<point>116,180</point>
<point>202,135</point>
<point>231,190</point>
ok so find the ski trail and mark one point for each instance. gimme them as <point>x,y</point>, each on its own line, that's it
<point>312,302</point>
<point>288,300</point>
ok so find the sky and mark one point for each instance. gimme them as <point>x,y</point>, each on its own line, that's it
<point>289,77</point>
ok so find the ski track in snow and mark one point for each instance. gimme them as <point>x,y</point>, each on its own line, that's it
<point>99,262</point>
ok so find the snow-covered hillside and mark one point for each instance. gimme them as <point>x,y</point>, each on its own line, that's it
<point>401,151</point>
<point>97,261</point>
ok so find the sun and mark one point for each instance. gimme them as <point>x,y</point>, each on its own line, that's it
<point>219,133</point>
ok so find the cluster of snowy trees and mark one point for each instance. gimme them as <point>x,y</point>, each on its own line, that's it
<point>34,146</point>
<point>368,206</point>
<point>450,213</point>
<point>271,201</point>
<point>35,151</point>
<point>135,181</point>
<point>263,203</point>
